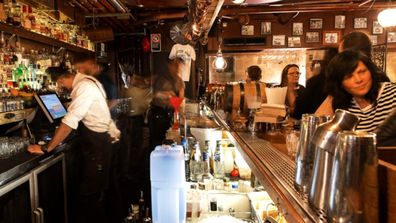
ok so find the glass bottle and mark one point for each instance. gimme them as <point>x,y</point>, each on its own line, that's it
<point>17,13</point>
<point>218,166</point>
<point>196,168</point>
<point>142,205</point>
<point>206,162</point>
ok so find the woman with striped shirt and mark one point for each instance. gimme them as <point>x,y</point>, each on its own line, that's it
<point>352,84</point>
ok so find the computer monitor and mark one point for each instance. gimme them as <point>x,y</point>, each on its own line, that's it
<point>51,106</point>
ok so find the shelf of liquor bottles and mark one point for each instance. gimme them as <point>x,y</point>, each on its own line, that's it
<point>24,33</point>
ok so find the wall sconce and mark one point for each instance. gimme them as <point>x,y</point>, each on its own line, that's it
<point>387,17</point>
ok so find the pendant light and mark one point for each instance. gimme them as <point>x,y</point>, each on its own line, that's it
<point>387,17</point>
<point>219,62</point>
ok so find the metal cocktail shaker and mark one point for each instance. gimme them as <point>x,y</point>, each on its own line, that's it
<point>325,139</point>
<point>353,193</point>
<point>306,151</point>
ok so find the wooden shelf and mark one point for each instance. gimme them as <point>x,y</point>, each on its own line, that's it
<point>26,34</point>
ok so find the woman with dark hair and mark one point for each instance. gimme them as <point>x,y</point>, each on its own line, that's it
<point>353,84</point>
<point>290,75</point>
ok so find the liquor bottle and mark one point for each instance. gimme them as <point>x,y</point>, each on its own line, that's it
<point>17,13</point>
<point>26,22</point>
<point>218,166</point>
<point>142,205</point>
<point>196,168</point>
<point>206,162</point>
<point>3,15</point>
<point>147,218</point>
<point>186,158</point>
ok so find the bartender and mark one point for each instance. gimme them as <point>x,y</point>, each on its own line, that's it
<point>89,114</point>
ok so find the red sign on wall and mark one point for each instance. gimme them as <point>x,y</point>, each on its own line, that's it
<point>155,40</point>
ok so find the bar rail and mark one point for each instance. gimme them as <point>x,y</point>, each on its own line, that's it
<point>275,171</point>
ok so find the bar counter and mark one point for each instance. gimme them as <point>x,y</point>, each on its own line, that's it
<point>21,163</point>
<point>267,157</point>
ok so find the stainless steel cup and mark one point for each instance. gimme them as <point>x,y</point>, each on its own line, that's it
<point>353,193</point>
<point>324,140</point>
<point>306,151</point>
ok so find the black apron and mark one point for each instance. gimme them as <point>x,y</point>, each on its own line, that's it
<point>96,150</point>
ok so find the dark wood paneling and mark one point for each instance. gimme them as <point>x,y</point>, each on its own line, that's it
<point>233,28</point>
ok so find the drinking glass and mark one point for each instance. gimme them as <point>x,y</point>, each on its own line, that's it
<point>292,140</point>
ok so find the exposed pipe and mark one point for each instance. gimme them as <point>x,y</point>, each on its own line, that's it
<point>365,2</point>
<point>102,15</point>
<point>157,17</point>
<point>118,5</point>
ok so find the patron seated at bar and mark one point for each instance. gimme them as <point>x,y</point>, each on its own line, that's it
<point>353,84</point>
<point>90,115</point>
<point>253,74</point>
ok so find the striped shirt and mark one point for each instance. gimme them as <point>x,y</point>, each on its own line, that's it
<point>373,115</point>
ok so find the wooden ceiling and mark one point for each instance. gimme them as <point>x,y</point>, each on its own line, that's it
<point>126,15</point>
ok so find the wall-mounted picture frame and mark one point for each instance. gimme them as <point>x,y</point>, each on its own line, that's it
<point>331,38</point>
<point>278,40</point>
<point>294,41</point>
<point>312,37</point>
<point>315,23</point>
<point>377,28</point>
<point>247,30</point>
<point>265,28</point>
<point>339,21</point>
<point>298,29</point>
<point>360,23</point>
<point>373,39</point>
<point>391,37</point>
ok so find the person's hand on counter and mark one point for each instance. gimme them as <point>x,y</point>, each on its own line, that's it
<point>35,149</point>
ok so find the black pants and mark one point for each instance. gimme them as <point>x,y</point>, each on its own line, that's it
<point>160,120</point>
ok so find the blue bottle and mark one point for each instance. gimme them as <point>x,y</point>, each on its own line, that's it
<point>168,184</point>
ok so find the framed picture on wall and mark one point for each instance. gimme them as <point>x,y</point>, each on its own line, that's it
<point>297,28</point>
<point>360,23</point>
<point>278,40</point>
<point>339,22</point>
<point>377,28</point>
<point>374,39</point>
<point>391,37</point>
<point>265,28</point>
<point>293,41</point>
<point>331,38</point>
<point>247,30</point>
<point>316,23</point>
<point>312,37</point>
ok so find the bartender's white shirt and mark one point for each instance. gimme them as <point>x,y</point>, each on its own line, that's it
<point>88,105</point>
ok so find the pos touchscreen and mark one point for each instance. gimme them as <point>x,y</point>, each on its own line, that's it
<point>51,106</point>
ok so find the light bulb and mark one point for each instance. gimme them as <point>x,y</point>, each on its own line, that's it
<point>387,17</point>
<point>238,1</point>
<point>220,62</point>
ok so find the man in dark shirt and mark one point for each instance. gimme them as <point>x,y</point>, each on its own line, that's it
<point>100,71</point>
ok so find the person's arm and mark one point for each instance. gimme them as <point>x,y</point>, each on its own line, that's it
<point>326,108</point>
<point>61,133</point>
